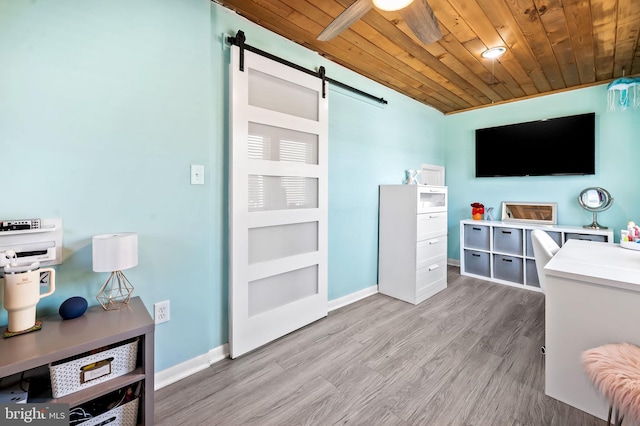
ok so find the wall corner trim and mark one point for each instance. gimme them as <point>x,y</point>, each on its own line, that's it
<point>180,371</point>
<point>353,297</point>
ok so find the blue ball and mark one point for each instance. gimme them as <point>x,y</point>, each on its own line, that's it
<point>73,307</point>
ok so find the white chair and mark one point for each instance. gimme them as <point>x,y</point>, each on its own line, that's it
<point>543,250</point>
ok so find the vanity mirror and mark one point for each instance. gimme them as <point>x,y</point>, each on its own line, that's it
<point>530,212</point>
<point>595,199</point>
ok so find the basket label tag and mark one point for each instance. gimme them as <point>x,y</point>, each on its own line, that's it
<point>95,370</point>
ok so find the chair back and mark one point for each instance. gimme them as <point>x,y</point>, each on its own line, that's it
<point>544,247</point>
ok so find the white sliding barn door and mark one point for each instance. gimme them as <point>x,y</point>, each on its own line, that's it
<point>278,201</point>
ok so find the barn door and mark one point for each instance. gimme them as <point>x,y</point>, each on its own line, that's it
<point>278,201</point>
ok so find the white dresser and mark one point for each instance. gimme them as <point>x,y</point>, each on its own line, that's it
<point>412,263</point>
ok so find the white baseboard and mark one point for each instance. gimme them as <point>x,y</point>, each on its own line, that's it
<point>353,297</point>
<point>453,262</point>
<point>178,372</point>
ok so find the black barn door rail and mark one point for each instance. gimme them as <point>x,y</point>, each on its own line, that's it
<point>240,39</point>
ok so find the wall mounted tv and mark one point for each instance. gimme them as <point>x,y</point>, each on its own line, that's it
<point>556,146</point>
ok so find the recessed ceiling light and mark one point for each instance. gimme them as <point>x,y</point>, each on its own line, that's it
<point>494,52</point>
<point>391,5</point>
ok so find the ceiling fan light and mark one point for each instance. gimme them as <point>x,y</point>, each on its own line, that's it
<point>391,5</point>
<point>494,52</point>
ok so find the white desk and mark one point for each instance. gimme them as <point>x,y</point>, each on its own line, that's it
<point>592,298</point>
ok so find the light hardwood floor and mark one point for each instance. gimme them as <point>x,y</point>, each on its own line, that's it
<point>467,356</point>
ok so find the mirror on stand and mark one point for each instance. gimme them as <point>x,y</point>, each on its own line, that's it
<point>595,199</point>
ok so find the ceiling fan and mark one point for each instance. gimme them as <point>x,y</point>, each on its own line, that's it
<point>416,13</point>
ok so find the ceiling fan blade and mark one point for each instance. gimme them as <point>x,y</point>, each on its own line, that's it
<point>420,19</point>
<point>343,21</point>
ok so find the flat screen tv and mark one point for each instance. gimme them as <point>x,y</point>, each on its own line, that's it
<point>556,146</point>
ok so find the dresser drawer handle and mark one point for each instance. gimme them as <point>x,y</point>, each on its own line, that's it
<point>432,267</point>
<point>477,229</point>
<point>434,241</point>
<point>507,260</point>
<point>506,232</point>
<point>475,255</point>
<point>433,216</point>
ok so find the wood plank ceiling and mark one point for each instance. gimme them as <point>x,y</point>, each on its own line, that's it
<point>552,45</point>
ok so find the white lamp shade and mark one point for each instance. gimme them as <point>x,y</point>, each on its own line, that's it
<point>115,252</point>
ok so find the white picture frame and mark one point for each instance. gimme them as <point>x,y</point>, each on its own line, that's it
<point>532,212</point>
<point>432,175</point>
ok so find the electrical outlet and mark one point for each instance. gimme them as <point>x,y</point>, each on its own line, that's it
<point>162,312</point>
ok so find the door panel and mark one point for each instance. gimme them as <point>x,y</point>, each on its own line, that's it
<point>278,201</point>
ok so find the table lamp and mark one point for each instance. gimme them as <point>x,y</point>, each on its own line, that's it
<point>114,253</point>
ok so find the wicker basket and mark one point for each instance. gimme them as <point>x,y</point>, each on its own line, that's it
<point>123,415</point>
<point>86,370</point>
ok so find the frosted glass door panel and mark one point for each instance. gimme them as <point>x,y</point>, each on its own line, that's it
<point>269,92</point>
<point>282,193</point>
<point>433,199</point>
<point>275,242</point>
<point>276,291</point>
<point>278,144</point>
<point>278,201</point>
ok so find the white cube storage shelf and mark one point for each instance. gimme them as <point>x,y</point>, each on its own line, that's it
<point>413,241</point>
<point>502,251</point>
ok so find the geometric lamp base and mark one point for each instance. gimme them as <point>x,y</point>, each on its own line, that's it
<point>115,292</point>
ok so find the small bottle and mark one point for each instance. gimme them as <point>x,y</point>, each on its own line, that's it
<point>624,235</point>
<point>631,231</point>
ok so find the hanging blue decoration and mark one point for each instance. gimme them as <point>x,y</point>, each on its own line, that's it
<point>624,92</point>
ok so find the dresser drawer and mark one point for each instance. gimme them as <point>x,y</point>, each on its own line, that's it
<point>428,275</point>
<point>431,199</point>
<point>428,250</point>
<point>431,225</point>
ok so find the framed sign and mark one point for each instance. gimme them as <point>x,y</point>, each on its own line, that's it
<point>516,211</point>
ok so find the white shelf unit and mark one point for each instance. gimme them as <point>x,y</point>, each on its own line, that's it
<point>412,262</point>
<point>502,252</point>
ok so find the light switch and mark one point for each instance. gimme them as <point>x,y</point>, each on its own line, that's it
<point>197,174</point>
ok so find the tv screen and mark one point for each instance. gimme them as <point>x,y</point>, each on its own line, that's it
<point>556,146</point>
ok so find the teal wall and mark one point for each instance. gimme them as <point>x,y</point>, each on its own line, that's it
<point>104,105</point>
<point>370,146</point>
<point>617,145</point>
